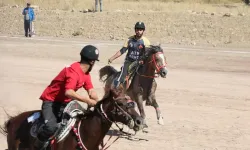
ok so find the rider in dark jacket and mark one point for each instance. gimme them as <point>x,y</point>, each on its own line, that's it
<point>135,45</point>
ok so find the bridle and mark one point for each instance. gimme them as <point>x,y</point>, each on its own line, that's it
<point>100,111</point>
<point>116,110</point>
<point>153,62</point>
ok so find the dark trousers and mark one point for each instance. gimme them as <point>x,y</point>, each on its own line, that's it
<point>52,113</point>
<point>27,28</point>
<point>124,71</point>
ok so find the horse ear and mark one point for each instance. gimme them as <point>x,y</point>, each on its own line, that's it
<point>117,91</point>
<point>158,43</point>
<point>127,97</point>
<point>114,92</point>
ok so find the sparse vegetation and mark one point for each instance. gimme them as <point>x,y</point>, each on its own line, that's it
<point>65,4</point>
<point>171,22</point>
<point>77,33</point>
<point>192,1</point>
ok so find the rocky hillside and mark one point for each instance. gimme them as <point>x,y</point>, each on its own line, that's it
<point>177,24</point>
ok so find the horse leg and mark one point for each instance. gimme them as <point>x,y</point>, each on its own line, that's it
<point>139,100</point>
<point>157,109</point>
<point>152,99</point>
<point>13,143</point>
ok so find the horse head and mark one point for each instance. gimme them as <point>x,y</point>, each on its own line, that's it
<point>118,107</point>
<point>155,57</point>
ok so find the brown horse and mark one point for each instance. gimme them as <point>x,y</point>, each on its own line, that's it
<point>143,85</point>
<point>89,130</point>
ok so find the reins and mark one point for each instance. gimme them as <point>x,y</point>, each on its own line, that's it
<point>104,115</point>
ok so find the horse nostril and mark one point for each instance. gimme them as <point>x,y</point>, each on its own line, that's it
<point>138,122</point>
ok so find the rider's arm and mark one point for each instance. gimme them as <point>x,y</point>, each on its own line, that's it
<point>92,94</point>
<point>117,54</point>
<point>121,51</point>
<point>70,85</point>
<point>73,95</point>
<point>88,86</point>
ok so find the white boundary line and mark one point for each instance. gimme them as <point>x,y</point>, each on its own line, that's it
<point>82,43</point>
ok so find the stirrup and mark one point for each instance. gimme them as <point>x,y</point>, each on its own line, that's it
<point>39,145</point>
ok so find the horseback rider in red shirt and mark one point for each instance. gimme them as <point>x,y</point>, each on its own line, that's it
<point>63,89</point>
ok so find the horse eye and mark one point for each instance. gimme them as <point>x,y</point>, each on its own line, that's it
<point>120,113</point>
<point>130,105</point>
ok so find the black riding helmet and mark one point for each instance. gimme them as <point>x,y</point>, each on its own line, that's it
<point>140,25</point>
<point>90,52</point>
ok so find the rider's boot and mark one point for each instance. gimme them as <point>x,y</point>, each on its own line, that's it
<point>40,145</point>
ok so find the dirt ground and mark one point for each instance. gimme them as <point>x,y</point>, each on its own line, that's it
<point>205,98</point>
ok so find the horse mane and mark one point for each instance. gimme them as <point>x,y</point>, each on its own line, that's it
<point>106,72</point>
<point>109,92</point>
<point>105,96</point>
<point>154,49</point>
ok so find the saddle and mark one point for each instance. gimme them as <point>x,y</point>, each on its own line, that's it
<point>69,118</point>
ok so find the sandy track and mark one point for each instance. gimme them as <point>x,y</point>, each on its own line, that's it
<point>204,99</point>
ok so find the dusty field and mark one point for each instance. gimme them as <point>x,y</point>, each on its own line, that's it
<point>173,23</point>
<point>204,99</point>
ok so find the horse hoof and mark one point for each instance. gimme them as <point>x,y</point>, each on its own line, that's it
<point>145,126</point>
<point>144,131</point>
<point>148,103</point>
<point>160,121</point>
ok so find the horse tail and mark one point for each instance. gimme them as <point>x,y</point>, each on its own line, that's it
<point>106,72</point>
<point>4,128</point>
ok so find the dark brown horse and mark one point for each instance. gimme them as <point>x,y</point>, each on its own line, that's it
<point>91,127</point>
<point>143,85</point>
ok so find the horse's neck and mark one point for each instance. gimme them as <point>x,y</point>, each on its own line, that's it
<point>147,72</point>
<point>146,75</point>
<point>148,69</point>
<point>94,129</point>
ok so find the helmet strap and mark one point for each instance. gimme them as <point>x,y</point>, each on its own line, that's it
<point>87,61</point>
<point>90,68</point>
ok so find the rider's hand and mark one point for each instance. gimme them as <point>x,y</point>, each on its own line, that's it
<point>141,62</point>
<point>92,102</point>
<point>110,61</point>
